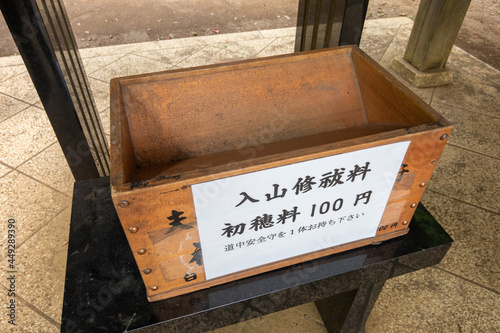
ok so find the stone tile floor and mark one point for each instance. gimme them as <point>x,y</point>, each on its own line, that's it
<point>460,294</point>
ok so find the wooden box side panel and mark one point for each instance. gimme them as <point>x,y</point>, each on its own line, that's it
<point>387,100</point>
<point>211,110</point>
<point>169,256</point>
<point>161,225</point>
<point>415,172</point>
<point>121,150</point>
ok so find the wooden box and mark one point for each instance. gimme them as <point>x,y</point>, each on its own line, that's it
<point>174,130</point>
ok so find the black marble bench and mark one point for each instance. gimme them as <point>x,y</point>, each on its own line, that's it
<point>104,290</point>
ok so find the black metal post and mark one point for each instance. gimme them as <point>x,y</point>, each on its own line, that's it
<point>329,23</point>
<point>33,42</point>
<point>354,20</point>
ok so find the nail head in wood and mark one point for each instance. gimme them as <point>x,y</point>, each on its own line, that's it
<point>133,230</point>
<point>123,204</point>
<point>141,251</point>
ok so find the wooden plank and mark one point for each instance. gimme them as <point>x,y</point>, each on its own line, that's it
<point>122,153</point>
<point>195,115</point>
<point>386,99</point>
<point>150,207</point>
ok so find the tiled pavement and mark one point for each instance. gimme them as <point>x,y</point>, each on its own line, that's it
<point>459,295</point>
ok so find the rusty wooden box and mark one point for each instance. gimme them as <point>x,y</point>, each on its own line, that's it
<point>174,129</point>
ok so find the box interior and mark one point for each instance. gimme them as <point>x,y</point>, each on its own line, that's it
<point>191,121</point>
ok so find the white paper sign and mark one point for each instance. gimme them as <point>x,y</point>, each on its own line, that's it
<point>262,217</point>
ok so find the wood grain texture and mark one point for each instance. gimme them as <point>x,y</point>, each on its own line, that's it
<point>433,35</point>
<point>174,129</point>
<point>240,108</point>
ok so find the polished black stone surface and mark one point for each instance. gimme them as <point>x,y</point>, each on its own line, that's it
<point>104,290</point>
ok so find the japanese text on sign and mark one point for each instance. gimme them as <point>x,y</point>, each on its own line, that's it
<point>261,217</point>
